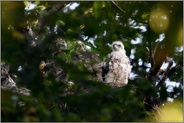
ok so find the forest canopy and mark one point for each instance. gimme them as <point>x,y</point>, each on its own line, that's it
<point>51,48</point>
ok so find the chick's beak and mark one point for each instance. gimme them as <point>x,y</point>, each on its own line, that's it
<point>115,46</point>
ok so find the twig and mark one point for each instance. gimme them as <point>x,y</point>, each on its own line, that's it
<point>51,107</point>
<point>118,6</point>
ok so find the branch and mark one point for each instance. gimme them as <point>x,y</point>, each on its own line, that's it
<point>165,73</point>
<point>151,59</point>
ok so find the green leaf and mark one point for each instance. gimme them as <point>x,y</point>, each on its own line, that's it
<point>97,6</point>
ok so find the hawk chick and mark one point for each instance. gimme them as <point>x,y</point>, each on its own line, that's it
<point>116,70</point>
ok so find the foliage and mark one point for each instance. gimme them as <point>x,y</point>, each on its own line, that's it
<point>95,23</point>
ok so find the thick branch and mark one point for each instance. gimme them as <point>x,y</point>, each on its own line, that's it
<point>56,8</point>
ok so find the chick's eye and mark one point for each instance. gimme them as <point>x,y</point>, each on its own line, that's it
<point>119,45</point>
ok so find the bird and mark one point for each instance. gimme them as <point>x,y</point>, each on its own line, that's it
<point>116,67</point>
<point>8,84</point>
<point>58,47</point>
<point>50,66</point>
